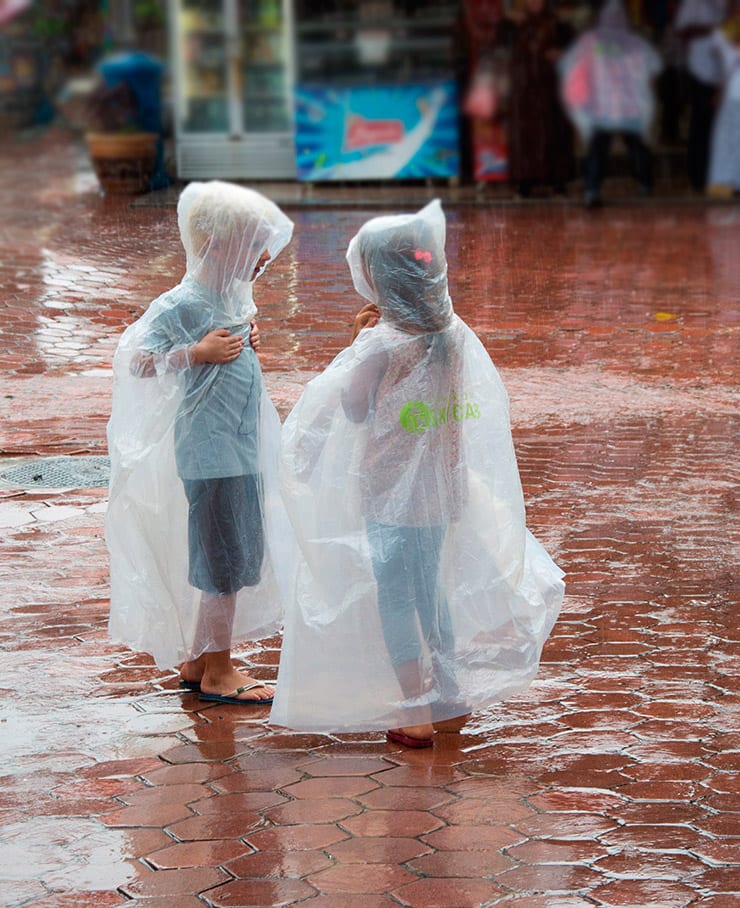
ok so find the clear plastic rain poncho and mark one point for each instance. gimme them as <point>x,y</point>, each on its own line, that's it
<point>195,523</point>
<point>418,589</point>
<point>606,77</point>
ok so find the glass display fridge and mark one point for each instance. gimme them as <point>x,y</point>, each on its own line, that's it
<point>232,66</point>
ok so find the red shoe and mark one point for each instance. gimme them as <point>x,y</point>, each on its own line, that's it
<point>398,736</point>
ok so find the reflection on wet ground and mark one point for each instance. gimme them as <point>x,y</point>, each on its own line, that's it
<point>613,781</point>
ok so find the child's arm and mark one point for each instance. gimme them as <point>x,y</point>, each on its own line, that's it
<point>359,398</point>
<point>219,346</point>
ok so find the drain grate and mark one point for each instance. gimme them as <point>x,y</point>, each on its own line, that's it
<point>58,473</point>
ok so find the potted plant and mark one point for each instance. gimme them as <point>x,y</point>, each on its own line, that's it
<point>123,155</point>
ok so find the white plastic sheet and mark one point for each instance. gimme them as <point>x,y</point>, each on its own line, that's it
<point>419,591</point>
<point>195,519</point>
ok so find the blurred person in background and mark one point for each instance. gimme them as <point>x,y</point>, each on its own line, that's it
<point>671,85</point>
<point>696,20</point>
<point>607,87</point>
<point>482,69</point>
<point>539,135</point>
<point>724,158</point>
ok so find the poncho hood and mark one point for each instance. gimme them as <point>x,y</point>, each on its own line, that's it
<point>225,229</point>
<point>398,262</point>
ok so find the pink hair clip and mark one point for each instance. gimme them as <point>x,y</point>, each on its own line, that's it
<point>425,255</point>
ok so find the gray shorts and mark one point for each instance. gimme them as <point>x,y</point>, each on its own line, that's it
<point>225,534</point>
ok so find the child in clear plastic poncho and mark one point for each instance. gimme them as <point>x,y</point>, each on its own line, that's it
<point>194,519</point>
<point>419,594</point>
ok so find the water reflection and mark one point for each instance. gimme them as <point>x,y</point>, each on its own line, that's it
<point>68,854</point>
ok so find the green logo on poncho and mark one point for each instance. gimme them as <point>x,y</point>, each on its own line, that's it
<point>416,416</point>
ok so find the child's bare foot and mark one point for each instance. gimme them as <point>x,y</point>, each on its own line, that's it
<point>219,678</point>
<point>451,726</point>
<point>191,673</point>
<point>412,735</point>
<point>229,683</point>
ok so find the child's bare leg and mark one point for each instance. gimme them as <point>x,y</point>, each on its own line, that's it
<point>213,668</point>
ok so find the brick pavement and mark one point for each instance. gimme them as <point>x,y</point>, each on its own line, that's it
<point>612,782</point>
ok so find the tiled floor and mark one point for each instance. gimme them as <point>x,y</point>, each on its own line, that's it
<point>613,782</point>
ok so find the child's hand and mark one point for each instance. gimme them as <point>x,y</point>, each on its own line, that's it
<point>254,336</point>
<point>219,346</point>
<point>367,317</point>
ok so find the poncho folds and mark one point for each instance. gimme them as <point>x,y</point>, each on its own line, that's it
<point>174,422</point>
<point>400,478</point>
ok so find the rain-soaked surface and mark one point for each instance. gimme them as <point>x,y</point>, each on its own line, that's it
<point>613,782</point>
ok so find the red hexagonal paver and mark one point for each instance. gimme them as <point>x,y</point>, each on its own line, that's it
<point>565,826</point>
<point>392,823</point>
<point>325,810</point>
<point>331,787</point>
<point>360,878</point>
<point>211,853</point>
<point>464,864</point>
<point>295,838</point>
<point>215,827</point>
<point>395,797</point>
<point>377,850</point>
<point>472,838</point>
<point>346,766</point>
<point>656,893</point>
<point>278,864</point>
<point>448,893</point>
<point>550,877</point>
<point>237,802</point>
<point>258,893</point>
<point>183,881</point>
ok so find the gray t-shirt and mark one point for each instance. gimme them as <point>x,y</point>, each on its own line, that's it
<point>216,424</point>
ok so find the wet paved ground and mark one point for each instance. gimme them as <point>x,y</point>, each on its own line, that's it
<point>613,782</point>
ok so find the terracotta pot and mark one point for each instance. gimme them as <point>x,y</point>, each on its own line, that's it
<point>123,162</point>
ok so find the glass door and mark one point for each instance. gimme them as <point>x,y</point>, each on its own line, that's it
<point>233,74</point>
<point>202,49</point>
<point>265,66</point>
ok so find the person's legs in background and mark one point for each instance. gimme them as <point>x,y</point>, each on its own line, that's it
<point>701,116</point>
<point>641,161</point>
<point>595,167</point>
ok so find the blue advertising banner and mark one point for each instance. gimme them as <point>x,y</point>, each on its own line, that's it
<point>377,132</point>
